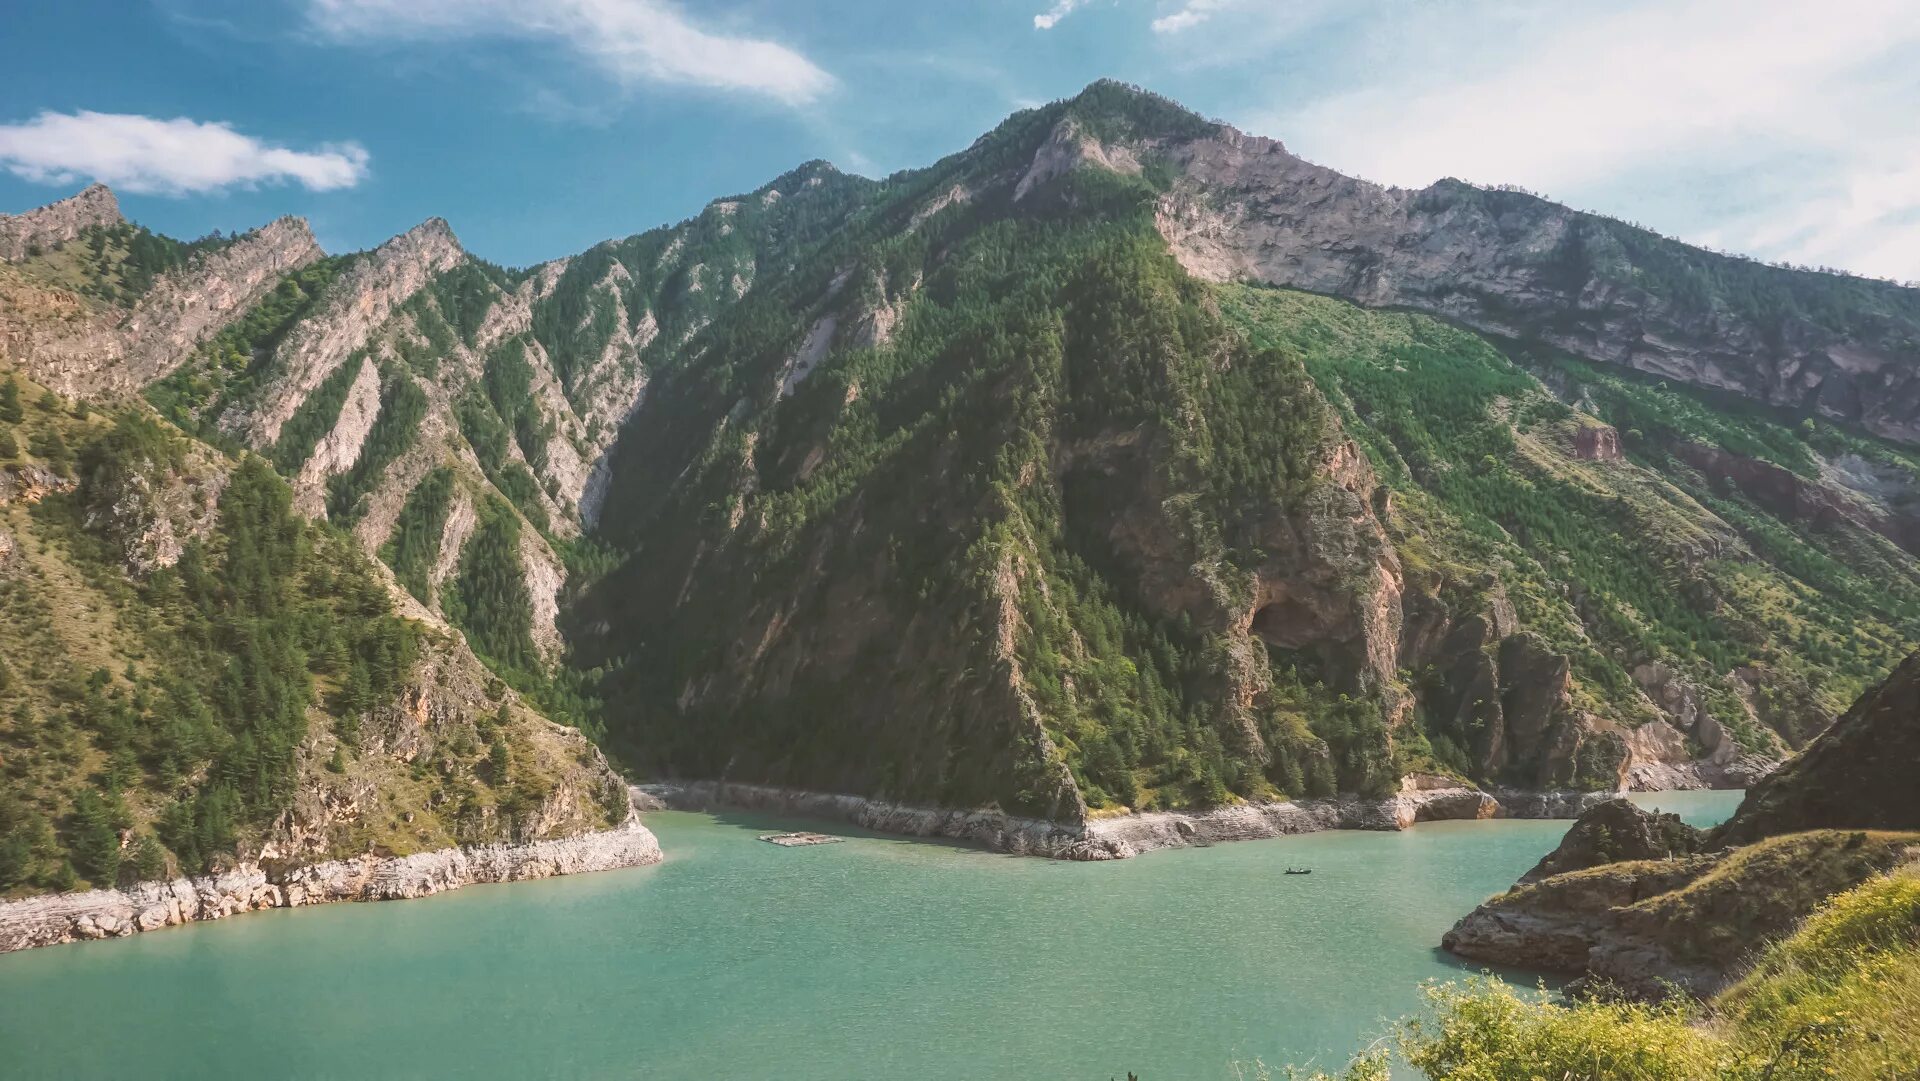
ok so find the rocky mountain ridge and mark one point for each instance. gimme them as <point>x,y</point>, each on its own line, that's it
<point>57,222</point>
<point>1244,208</point>
<point>169,627</point>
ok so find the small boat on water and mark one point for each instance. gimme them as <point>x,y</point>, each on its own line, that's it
<point>1299,870</point>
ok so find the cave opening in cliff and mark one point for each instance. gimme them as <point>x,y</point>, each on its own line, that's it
<point>1289,622</point>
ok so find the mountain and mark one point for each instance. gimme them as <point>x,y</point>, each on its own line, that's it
<point>1119,461</point>
<point>209,704</point>
<point>991,500</point>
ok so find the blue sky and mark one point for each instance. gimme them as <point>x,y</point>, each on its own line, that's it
<point>1780,128</point>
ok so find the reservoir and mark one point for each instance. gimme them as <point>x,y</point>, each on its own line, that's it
<point>874,958</point>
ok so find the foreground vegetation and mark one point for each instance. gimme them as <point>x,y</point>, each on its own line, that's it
<point>1839,998</point>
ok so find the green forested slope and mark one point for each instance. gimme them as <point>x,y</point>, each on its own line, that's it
<point>1615,562</point>
<point>187,667</point>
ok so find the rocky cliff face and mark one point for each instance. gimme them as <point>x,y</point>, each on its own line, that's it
<point>1244,208</point>
<point>430,774</point>
<point>364,298</point>
<point>57,223</point>
<point>85,349</point>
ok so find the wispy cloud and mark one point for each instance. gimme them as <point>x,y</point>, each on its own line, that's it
<point>147,155</point>
<point>1051,17</point>
<point>1190,14</point>
<point>1667,89</point>
<point>1865,218</point>
<point>631,40</point>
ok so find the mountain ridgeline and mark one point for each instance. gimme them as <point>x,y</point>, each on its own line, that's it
<point>1120,461</point>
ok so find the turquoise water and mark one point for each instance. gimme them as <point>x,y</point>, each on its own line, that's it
<point>1701,808</point>
<point>875,958</point>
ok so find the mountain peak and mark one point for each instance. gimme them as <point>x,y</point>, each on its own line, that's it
<point>57,222</point>
<point>1117,108</point>
<point>433,232</point>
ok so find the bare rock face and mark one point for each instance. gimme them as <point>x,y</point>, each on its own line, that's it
<point>340,448</point>
<point>150,514</point>
<point>1246,209</point>
<point>84,351</point>
<point>1816,502</point>
<point>188,307</point>
<point>1065,150</point>
<point>358,304</point>
<point>1596,443</point>
<point>57,223</point>
<point>20,483</point>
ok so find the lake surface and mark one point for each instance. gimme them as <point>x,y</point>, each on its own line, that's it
<point>873,958</point>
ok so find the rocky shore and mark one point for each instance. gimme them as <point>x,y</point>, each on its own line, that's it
<point>1421,799</point>
<point>148,906</point>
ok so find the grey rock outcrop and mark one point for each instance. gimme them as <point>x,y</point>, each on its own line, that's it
<point>1513,264</point>
<point>193,304</point>
<point>84,351</point>
<point>358,303</point>
<point>56,223</point>
<point>1618,830</point>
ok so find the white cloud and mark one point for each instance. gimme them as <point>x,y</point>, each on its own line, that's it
<point>1051,17</point>
<point>1865,219</point>
<point>632,40</point>
<point>1659,90</point>
<point>147,155</point>
<point>1192,13</point>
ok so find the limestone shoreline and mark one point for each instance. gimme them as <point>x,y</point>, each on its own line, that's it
<point>1125,836</point>
<point>147,906</point>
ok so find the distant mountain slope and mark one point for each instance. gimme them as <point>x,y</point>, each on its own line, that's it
<point>1243,208</point>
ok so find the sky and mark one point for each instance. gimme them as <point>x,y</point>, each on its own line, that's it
<point>1782,129</point>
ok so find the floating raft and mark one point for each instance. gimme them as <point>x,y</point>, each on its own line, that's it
<point>800,840</point>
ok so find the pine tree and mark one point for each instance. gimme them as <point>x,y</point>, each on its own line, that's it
<point>497,762</point>
<point>10,410</point>
<point>149,860</point>
<point>95,844</point>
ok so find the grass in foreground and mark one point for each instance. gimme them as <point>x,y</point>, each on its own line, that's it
<point>1840,998</point>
